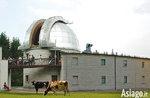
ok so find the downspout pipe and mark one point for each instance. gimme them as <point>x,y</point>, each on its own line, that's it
<point>115,73</point>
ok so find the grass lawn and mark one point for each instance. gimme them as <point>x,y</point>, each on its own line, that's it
<point>60,95</point>
<point>5,94</point>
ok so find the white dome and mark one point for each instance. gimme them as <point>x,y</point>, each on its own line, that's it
<point>52,33</point>
<point>63,36</point>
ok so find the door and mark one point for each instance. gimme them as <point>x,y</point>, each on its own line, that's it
<point>54,77</point>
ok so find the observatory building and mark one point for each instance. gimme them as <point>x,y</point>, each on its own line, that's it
<point>52,33</point>
<point>46,38</point>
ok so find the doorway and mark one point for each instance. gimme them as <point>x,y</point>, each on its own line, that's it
<point>54,77</point>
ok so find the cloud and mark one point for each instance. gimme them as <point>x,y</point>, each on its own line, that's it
<point>64,3</point>
<point>61,5</point>
<point>144,8</point>
<point>45,13</point>
<point>49,8</point>
<point>108,24</point>
<point>3,5</point>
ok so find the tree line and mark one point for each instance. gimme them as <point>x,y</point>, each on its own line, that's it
<point>10,49</point>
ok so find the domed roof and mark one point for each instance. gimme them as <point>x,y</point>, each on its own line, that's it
<point>52,33</point>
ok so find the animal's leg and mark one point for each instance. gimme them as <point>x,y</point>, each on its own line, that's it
<point>64,92</point>
<point>68,91</point>
<point>37,90</point>
<point>54,93</point>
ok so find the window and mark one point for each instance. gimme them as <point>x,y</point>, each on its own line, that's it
<point>103,61</point>
<point>75,79</point>
<point>143,78</point>
<point>143,64</point>
<point>54,77</point>
<point>125,63</point>
<point>27,78</point>
<point>75,60</point>
<point>103,79</point>
<point>125,79</point>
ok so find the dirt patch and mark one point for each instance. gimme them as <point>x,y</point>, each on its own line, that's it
<point>28,91</point>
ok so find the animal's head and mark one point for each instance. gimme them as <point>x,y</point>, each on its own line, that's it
<point>45,93</point>
<point>33,82</point>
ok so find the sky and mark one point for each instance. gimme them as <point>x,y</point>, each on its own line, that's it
<point>121,25</point>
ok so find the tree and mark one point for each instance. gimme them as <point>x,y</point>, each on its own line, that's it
<point>14,52</point>
<point>16,74</point>
<point>11,49</point>
<point>4,43</point>
<point>17,77</point>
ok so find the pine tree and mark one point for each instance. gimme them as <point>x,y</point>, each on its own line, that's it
<point>17,74</point>
<point>4,43</point>
<point>14,52</point>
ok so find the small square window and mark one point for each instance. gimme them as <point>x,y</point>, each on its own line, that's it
<point>75,80</point>
<point>75,60</point>
<point>143,77</point>
<point>54,77</point>
<point>27,78</point>
<point>143,64</point>
<point>125,79</point>
<point>125,63</point>
<point>103,61</point>
<point>103,79</point>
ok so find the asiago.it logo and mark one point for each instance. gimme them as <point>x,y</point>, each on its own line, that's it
<point>135,94</point>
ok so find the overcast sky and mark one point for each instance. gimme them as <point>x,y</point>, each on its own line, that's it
<point>121,25</point>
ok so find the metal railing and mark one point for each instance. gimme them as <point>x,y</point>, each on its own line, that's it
<point>30,62</point>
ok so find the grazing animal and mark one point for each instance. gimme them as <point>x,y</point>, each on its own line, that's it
<point>38,85</point>
<point>57,86</point>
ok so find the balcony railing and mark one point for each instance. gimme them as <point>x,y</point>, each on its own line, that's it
<point>30,62</point>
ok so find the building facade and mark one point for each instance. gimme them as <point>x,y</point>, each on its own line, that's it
<point>96,72</point>
<point>105,72</point>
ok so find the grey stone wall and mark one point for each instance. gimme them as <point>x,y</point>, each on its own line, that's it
<point>3,73</point>
<point>39,74</point>
<point>89,71</point>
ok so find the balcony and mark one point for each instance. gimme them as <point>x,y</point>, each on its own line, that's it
<point>28,63</point>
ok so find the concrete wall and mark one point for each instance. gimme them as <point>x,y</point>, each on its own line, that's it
<point>3,73</point>
<point>138,77</point>
<point>39,74</point>
<point>143,83</point>
<point>85,71</point>
<point>89,71</point>
<point>128,71</point>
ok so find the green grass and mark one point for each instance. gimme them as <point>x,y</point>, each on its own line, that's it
<point>60,95</point>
